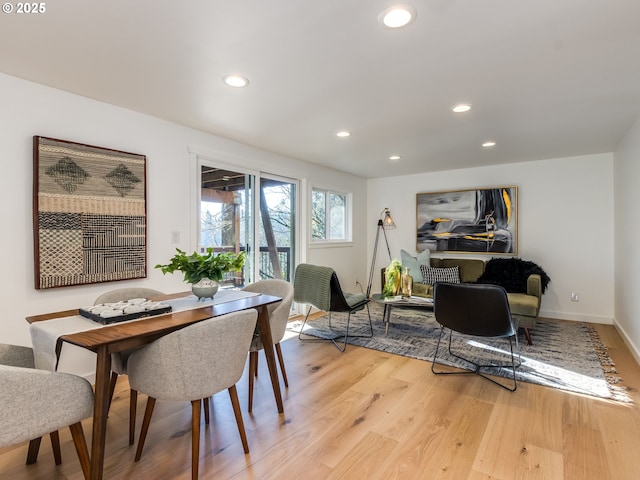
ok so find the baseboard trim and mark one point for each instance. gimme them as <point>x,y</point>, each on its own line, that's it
<point>576,317</point>
<point>635,351</point>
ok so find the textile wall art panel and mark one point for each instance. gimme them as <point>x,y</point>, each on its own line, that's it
<point>89,214</point>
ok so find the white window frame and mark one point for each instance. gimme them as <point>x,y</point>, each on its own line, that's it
<point>348,217</point>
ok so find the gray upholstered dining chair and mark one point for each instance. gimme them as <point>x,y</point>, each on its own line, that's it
<point>278,317</point>
<point>319,287</point>
<point>480,310</point>
<point>192,364</point>
<point>124,294</point>
<point>21,356</point>
<point>36,402</point>
<point>119,360</point>
<point>16,356</point>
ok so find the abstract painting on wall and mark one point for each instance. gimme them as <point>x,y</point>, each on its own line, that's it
<point>475,221</point>
<point>89,214</point>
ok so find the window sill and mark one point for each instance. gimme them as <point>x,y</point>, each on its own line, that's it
<point>341,244</point>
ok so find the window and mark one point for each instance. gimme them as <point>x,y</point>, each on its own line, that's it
<point>228,215</point>
<point>329,216</point>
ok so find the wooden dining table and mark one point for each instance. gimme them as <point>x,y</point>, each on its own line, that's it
<point>123,336</point>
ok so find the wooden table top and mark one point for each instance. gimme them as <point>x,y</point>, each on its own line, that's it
<point>128,334</point>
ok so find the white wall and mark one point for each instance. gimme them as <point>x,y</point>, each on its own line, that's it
<point>627,257</point>
<point>565,224</point>
<point>30,109</point>
<point>566,208</point>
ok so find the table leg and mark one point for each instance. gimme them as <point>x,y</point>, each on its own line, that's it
<point>387,318</point>
<point>100,412</point>
<point>265,335</point>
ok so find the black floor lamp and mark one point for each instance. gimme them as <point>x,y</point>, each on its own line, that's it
<point>385,222</point>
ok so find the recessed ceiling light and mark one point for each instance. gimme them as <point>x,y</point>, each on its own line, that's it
<point>488,144</point>
<point>343,133</point>
<point>235,81</point>
<point>394,157</point>
<point>397,16</point>
<point>462,107</point>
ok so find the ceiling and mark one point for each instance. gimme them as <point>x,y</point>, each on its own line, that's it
<point>546,78</point>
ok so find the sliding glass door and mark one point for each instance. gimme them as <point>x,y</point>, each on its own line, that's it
<point>230,203</point>
<point>226,221</point>
<point>277,233</point>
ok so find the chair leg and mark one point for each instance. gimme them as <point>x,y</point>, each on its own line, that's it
<point>342,347</point>
<point>346,334</point>
<point>151,402</point>
<point>370,334</point>
<point>477,367</point>
<point>112,387</point>
<point>513,363</point>
<point>527,335</point>
<point>233,394</point>
<point>34,449</point>
<point>304,322</point>
<point>32,452</point>
<point>435,354</point>
<point>133,409</point>
<point>253,365</point>
<point>253,372</point>
<point>195,437</point>
<point>79,441</point>
<point>370,324</point>
<point>281,361</point>
<point>55,446</point>
<point>205,407</point>
<point>316,340</point>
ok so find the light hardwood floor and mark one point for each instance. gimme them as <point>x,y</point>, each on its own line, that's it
<point>370,415</point>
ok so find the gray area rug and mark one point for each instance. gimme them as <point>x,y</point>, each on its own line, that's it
<point>564,355</point>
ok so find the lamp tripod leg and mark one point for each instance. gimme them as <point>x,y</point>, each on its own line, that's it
<point>375,250</point>
<point>373,260</point>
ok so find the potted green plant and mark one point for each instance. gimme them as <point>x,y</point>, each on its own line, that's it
<point>204,270</point>
<point>393,274</point>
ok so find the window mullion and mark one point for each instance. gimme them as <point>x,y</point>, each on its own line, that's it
<point>327,215</point>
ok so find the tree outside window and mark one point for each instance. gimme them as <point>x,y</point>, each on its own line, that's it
<point>328,215</point>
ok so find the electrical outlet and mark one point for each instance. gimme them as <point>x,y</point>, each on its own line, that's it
<point>575,296</point>
<point>175,237</point>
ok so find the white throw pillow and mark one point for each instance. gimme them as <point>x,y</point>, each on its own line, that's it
<point>414,263</point>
